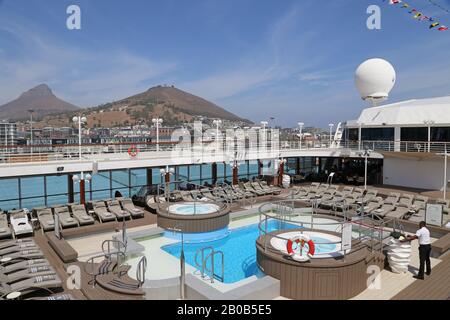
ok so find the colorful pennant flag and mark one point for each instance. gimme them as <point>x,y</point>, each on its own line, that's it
<point>419,15</point>
<point>434,24</point>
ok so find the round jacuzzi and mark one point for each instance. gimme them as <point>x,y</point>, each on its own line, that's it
<point>326,245</point>
<point>191,217</point>
<point>191,208</point>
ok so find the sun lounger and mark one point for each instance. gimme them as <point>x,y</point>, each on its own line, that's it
<point>5,231</point>
<point>175,196</point>
<point>30,272</point>
<point>400,212</point>
<point>273,189</point>
<point>372,205</point>
<point>45,217</point>
<point>19,264</point>
<point>15,242</point>
<point>370,194</point>
<point>18,247</point>
<point>389,204</point>
<point>248,187</point>
<point>80,214</point>
<point>245,193</point>
<point>65,219</point>
<point>258,187</point>
<point>186,196</point>
<point>420,202</point>
<point>32,284</point>
<point>115,208</point>
<point>128,206</point>
<point>20,223</point>
<point>328,194</point>
<point>57,297</point>
<point>24,254</point>
<point>102,213</point>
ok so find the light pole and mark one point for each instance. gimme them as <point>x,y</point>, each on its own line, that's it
<point>166,173</point>
<point>83,178</point>
<point>366,155</point>
<point>359,135</point>
<point>31,111</point>
<point>429,123</point>
<point>217,122</point>
<point>157,122</point>
<point>79,120</point>
<point>331,125</point>
<point>300,126</point>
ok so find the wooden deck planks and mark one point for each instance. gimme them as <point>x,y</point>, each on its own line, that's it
<point>434,287</point>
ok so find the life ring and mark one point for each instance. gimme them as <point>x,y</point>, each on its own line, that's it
<point>133,151</point>
<point>301,239</point>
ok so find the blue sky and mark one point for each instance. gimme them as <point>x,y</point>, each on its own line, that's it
<point>293,59</point>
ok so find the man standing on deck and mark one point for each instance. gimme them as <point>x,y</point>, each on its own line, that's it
<point>423,235</point>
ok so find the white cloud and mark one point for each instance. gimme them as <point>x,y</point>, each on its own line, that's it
<point>84,77</point>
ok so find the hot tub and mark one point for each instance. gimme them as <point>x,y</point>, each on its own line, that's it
<point>192,208</point>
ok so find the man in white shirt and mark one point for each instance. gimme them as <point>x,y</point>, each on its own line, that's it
<point>423,235</point>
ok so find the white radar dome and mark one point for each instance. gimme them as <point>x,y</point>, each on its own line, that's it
<point>374,79</point>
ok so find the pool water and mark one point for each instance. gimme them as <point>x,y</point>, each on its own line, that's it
<point>193,208</point>
<point>239,250</point>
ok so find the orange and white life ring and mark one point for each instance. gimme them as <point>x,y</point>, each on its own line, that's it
<point>301,240</point>
<point>133,151</point>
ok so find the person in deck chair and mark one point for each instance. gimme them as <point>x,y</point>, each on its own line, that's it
<point>423,235</point>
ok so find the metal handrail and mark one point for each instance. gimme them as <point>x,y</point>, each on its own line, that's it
<point>90,261</point>
<point>213,273</point>
<point>201,265</point>
<point>108,242</point>
<point>141,270</point>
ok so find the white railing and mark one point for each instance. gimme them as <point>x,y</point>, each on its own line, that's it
<point>46,153</point>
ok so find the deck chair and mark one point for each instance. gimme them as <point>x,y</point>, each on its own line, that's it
<point>20,222</point>
<point>273,189</point>
<point>186,196</point>
<point>206,193</point>
<point>128,206</point>
<point>32,284</point>
<point>401,210</point>
<point>18,247</point>
<point>80,214</point>
<point>244,192</point>
<point>248,186</point>
<point>19,264</point>
<point>102,213</point>
<point>311,193</point>
<point>15,242</point>
<point>65,219</point>
<point>5,231</point>
<point>372,204</point>
<point>175,196</point>
<point>337,197</point>
<point>115,208</point>
<point>389,204</point>
<point>24,254</point>
<point>30,272</point>
<point>420,203</point>
<point>258,187</point>
<point>370,194</point>
<point>45,217</point>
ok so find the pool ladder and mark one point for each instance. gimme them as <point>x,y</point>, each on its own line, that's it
<point>208,253</point>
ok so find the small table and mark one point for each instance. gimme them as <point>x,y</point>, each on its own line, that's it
<point>13,295</point>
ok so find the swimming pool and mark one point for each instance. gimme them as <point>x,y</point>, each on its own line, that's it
<point>191,208</point>
<point>239,250</point>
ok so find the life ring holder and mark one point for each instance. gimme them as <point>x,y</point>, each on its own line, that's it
<point>133,151</point>
<point>301,239</point>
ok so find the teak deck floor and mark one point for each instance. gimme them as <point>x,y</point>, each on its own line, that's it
<point>434,287</point>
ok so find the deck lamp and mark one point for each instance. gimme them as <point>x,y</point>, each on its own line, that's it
<point>157,122</point>
<point>163,173</point>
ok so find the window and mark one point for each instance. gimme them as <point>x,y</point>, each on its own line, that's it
<point>414,134</point>
<point>440,134</point>
<point>375,134</point>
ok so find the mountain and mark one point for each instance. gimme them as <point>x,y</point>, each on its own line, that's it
<point>40,99</point>
<point>182,101</point>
